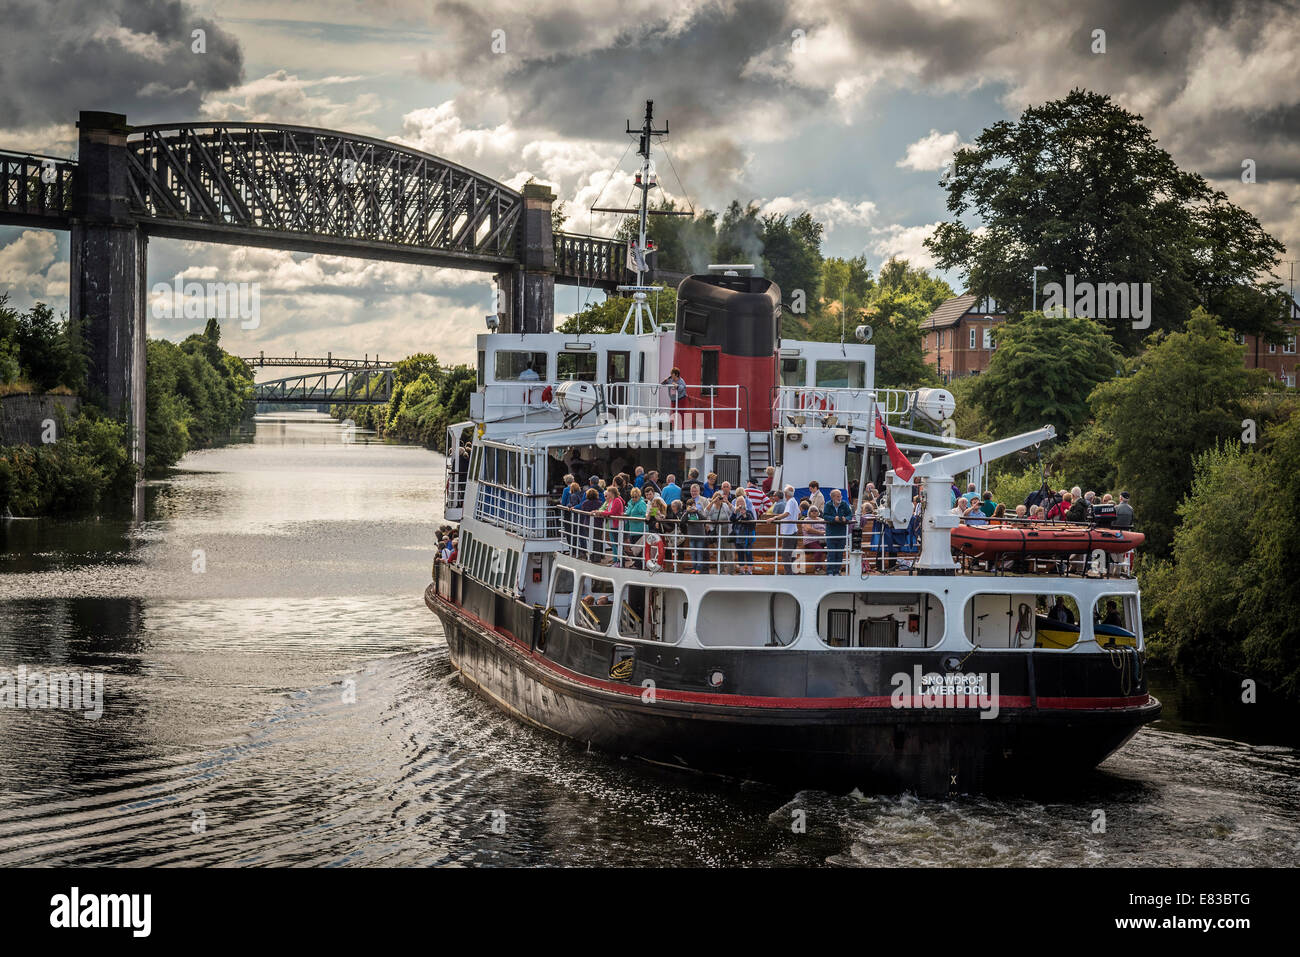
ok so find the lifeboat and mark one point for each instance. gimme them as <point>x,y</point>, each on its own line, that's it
<point>996,541</point>
<point>1061,634</point>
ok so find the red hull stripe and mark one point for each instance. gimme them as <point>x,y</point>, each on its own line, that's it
<point>754,701</point>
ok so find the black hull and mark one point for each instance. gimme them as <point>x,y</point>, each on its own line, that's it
<point>881,749</point>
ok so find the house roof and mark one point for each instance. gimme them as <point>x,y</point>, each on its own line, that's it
<point>951,312</point>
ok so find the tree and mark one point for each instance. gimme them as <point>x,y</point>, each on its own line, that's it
<point>683,244</point>
<point>1182,396</point>
<point>792,250</point>
<point>413,366</point>
<point>1079,185</point>
<point>899,275</point>
<point>895,317</point>
<point>1042,372</point>
<point>608,315</point>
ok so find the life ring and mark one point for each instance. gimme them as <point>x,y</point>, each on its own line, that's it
<point>654,552</point>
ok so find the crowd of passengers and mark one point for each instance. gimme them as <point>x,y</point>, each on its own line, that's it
<point>701,524</point>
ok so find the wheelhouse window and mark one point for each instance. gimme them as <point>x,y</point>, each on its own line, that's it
<point>617,367</point>
<point>594,608</point>
<point>580,366</point>
<point>519,366</point>
<point>841,374</point>
<point>652,614</point>
<point>794,372</point>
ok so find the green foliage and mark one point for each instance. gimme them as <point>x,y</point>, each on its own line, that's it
<point>1228,599</point>
<point>1079,185</point>
<point>1042,372</point>
<point>1086,460</point>
<point>608,315</point>
<point>195,393</point>
<point>895,316</point>
<point>419,410</point>
<point>41,349</point>
<point>1012,486</point>
<point>1185,394</point>
<point>412,367</point>
<point>86,468</point>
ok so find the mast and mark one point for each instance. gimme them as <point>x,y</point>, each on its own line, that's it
<point>638,314</point>
<point>643,181</point>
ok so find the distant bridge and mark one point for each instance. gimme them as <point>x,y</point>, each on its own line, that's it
<point>328,361</point>
<point>340,387</point>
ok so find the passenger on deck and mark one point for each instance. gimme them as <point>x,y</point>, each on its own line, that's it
<point>1078,510</point>
<point>743,518</point>
<point>718,512</point>
<point>697,535</point>
<point>590,535</point>
<point>815,497</point>
<point>787,513</point>
<point>638,478</point>
<point>610,516</point>
<point>671,490</point>
<point>674,540</point>
<point>1061,612</point>
<point>1022,512</point>
<point>814,541</point>
<point>839,518</point>
<point>758,499</point>
<point>529,374</point>
<point>564,496</point>
<point>676,388</point>
<point>770,472</point>
<point>697,499</point>
<point>1113,617</point>
<point>1123,512</point>
<point>634,527</point>
<point>710,486</point>
<point>987,505</point>
<point>1057,512</point>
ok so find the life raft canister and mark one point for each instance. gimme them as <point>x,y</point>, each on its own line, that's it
<point>654,551</point>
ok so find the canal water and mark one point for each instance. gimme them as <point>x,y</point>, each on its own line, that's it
<point>273,581</point>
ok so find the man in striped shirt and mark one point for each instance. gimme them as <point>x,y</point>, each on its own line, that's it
<point>757,498</point>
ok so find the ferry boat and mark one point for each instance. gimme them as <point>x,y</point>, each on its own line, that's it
<point>918,665</point>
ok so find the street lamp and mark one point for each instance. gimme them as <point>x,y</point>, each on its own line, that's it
<point>1037,270</point>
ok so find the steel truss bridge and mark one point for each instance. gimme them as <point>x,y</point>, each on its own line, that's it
<point>338,387</point>
<point>328,361</point>
<point>308,190</point>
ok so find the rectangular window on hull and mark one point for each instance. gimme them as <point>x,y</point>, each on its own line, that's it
<point>880,620</point>
<point>741,619</point>
<point>652,614</point>
<point>594,608</point>
<point>1051,622</point>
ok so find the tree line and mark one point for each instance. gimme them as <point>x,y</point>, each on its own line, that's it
<point>196,393</point>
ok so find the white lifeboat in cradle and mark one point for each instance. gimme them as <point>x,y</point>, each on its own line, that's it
<point>576,398</point>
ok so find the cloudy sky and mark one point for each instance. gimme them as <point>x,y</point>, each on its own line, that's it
<point>847,108</point>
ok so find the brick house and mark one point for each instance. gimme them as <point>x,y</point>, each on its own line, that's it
<point>1280,360</point>
<point>958,336</point>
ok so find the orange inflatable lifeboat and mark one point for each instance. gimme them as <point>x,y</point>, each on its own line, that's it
<point>995,541</point>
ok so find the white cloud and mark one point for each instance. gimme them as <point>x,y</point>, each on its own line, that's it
<point>832,213</point>
<point>932,152</point>
<point>904,242</point>
<point>283,97</point>
<point>30,271</point>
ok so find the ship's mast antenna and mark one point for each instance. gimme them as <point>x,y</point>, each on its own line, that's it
<point>645,181</point>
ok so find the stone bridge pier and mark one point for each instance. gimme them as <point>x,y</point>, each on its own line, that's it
<point>526,293</point>
<point>109,261</point>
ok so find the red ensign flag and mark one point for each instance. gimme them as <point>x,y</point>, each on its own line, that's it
<point>902,467</point>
